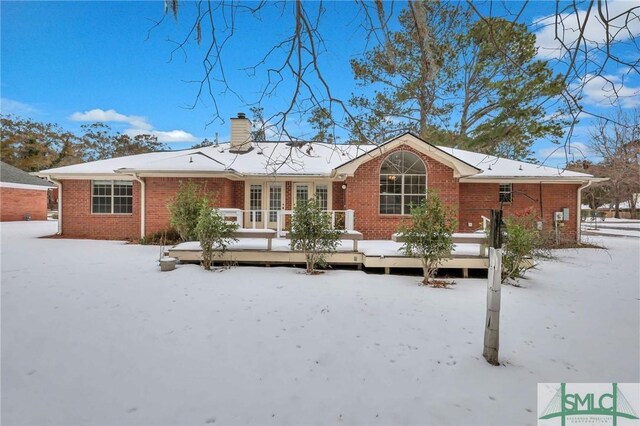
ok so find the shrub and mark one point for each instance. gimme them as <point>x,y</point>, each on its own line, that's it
<point>185,210</point>
<point>522,245</point>
<point>215,234</point>
<point>429,236</point>
<point>311,232</point>
<point>166,237</point>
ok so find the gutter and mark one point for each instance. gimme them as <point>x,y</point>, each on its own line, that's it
<point>579,210</point>
<point>59,185</point>
<point>142,204</point>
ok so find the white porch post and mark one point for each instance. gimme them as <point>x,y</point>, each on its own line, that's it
<point>349,220</point>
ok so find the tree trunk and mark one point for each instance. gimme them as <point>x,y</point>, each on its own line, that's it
<point>492,325</point>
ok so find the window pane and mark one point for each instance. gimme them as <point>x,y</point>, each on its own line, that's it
<point>411,201</point>
<point>411,163</point>
<point>102,188</point>
<point>255,202</point>
<point>123,188</point>
<point>101,204</point>
<point>322,196</point>
<point>302,193</point>
<point>122,204</point>
<point>403,182</point>
<point>390,204</point>
<point>275,202</point>
<point>505,193</point>
<point>390,184</point>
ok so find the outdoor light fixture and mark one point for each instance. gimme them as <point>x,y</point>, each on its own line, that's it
<point>344,186</point>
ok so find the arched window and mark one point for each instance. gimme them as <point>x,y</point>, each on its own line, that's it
<point>403,182</point>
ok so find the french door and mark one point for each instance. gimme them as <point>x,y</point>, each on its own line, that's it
<point>264,201</point>
<point>304,191</point>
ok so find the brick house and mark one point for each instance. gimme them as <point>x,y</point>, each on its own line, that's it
<point>373,186</point>
<point>22,196</point>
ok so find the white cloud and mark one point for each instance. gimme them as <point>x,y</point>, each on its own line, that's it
<point>139,125</point>
<point>609,90</point>
<point>10,106</point>
<point>170,136</point>
<point>573,152</point>
<point>567,27</point>
<point>111,115</point>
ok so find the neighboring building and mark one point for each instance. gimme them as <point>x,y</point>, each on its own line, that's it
<point>22,196</point>
<point>124,198</point>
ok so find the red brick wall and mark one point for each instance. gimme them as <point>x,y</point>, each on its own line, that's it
<point>476,200</point>
<point>78,222</point>
<point>363,194</point>
<point>15,203</point>
<point>160,190</point>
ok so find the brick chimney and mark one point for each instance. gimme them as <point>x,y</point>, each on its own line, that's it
<point>240,134</point>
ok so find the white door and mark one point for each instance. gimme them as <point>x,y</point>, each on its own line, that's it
<point>254,218</point>
<point>275,202</point>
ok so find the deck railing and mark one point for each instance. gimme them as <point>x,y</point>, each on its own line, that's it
<point>260,219</point>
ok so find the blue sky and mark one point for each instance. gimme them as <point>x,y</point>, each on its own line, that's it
<point>65,62</point>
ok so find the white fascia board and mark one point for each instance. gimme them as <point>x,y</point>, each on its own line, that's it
<point>85,176</point>
<point>532,179</point>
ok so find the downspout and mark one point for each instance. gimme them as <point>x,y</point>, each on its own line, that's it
<point>142,204</point>
<point>59,185</point>
<point>579,210</point>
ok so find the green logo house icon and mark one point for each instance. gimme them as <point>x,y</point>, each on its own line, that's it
<point>589,404</point>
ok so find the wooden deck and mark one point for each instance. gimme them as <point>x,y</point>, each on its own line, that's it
<point>369,254</point>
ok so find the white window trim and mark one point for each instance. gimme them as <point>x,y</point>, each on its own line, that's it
<point>112,198</point>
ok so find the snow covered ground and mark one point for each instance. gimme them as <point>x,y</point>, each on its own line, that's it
<point>93,333</point>
<point>612,227</point>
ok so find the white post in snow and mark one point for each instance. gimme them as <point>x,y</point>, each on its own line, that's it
<point>492,325</point>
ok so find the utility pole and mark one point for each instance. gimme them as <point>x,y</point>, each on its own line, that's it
<point>494,284</point>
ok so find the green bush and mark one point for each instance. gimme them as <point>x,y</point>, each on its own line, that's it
<point>429,236</point>
<point>185,208</point>
<point>522,244</point>
<point>311,232</point>
<point>214,233</point>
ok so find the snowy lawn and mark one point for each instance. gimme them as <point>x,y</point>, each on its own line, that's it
<point>93,333</point>
<point>612,227</point>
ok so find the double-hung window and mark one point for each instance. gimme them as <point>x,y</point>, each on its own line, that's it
<point>506,193</point>
<point>111,197</point>
<point>403,183</point>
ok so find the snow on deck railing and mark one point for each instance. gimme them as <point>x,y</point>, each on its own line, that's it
<point>264,219</point>
<point>337,217</point>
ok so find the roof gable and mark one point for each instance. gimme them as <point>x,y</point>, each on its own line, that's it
<point>460,168</point>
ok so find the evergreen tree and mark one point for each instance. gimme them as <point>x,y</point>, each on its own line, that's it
<point>312,233</point>
<point>480,86</point>
<point>429,236</point>
<point>214,233</point>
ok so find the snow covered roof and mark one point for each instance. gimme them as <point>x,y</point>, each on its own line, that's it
<point>297,159</point>
<point>495,167</point>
